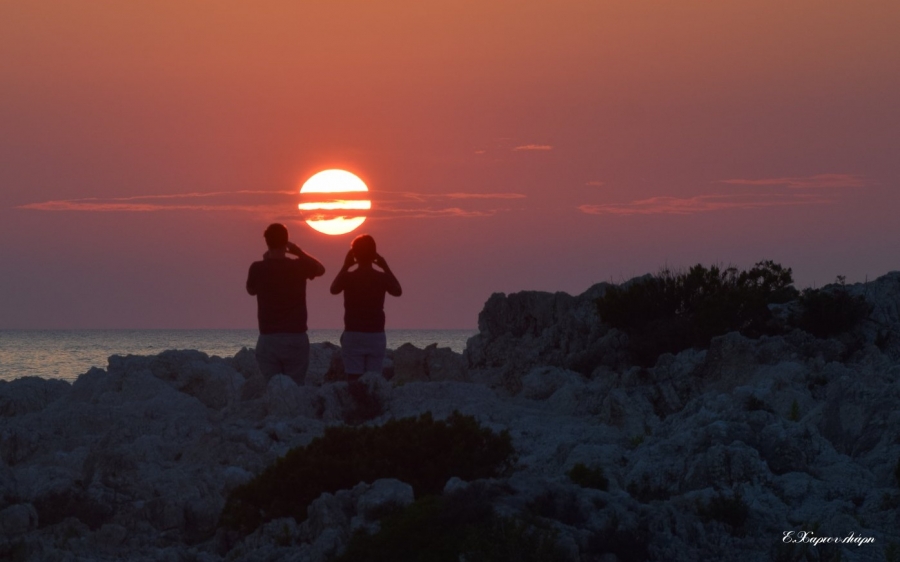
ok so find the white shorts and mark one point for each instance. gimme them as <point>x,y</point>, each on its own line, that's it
<point>363,352</point>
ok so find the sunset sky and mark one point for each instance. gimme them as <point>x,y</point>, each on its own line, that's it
<point>508,146</point>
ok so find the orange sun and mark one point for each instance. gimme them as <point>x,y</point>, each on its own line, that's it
<point>333,215</point>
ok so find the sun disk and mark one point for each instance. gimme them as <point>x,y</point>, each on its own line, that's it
<point>329,215</point>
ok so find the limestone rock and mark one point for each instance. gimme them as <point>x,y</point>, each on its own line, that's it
<point>383,496</point>
<point>709,454</point>
<point>18,519</point>
<point>430,364</point>
<point>530,328</point>
<point>322,359</point>
<point>542,382</point>
<point>29,394</point>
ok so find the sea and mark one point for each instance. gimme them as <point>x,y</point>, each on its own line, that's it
<point>65,354</point>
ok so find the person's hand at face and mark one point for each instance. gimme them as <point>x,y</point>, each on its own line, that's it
<point>379,261</point>
<point>350,259</point>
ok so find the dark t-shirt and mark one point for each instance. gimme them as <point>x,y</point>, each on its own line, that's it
<point>364,291</point>
<point>280,288</point>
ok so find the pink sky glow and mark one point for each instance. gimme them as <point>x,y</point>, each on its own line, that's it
<point>507,146</point>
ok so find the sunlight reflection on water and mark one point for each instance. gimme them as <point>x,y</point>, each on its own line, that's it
<point>65,354</point>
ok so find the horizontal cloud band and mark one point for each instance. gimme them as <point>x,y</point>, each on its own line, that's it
<point>785,191</point>
<point>700,204</point>
<point>389,205</point>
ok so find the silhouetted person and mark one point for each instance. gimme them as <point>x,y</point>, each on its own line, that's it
<point>279,283</point>
<point>363,342</point>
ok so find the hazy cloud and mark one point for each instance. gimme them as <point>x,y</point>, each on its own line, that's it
<point>133,203</point>
<point>534,147</point>
<point>594,183</point>
<point>423,197</point>
<point>485,195</point>
<point>408,204</point>
<point>100,206</point>
<point>666,205</point>
<point>808,182</point>
<point>284,204</point>
<point>192,195</point>
<point>785,191</point>
<point>426,213</point>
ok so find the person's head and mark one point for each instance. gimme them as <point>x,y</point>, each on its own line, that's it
<point>363,247</point>
<point>276,236</point>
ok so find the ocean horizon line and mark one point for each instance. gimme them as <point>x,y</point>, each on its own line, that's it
<point>68,352</point>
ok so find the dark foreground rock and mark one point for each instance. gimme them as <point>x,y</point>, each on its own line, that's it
<point>709,455</point>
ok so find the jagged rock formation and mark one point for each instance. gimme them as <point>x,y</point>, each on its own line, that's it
<point>710,454</point>
<point>531,328</point>
<point>430,364</point>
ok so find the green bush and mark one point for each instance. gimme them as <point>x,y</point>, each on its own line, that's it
<point>55,507</point>
<point>827,313</point>
<point>732,511</point>
<point>587,477</point>
<point>559,505</point>
<point>753,404</point>
<point>459,527</point>
<point>892,552</point>
<point>645,491</point>
<point>419,451</point>
<point>673,311</point>
<point>795,411</point>
<point>628,544</point>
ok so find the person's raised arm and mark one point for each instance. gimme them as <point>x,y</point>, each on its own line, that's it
<point>251,282</point>
<point>393,287</point>
<point>338,284</point>
<point>317,268</point>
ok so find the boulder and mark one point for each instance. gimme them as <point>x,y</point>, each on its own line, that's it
<point>18,519</point>
<point>530,328</point>
<point>430,364</point>
<point>322,363</point>
<point>29,394</point>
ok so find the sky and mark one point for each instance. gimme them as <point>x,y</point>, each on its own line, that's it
<point>508,146</point>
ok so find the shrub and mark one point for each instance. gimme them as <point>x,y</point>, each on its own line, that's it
<point>732,511</point>
<point>753,404</point>
<point>459,527</point>
<point>795,410</point>
<point>419,451</point>
<point>587,477</point>
<point>627,544</point>
<point>645,492</point>
<point>827,313</point>
<point>673,311</point>
<point>890,501</point>
<point>562,506</point>
<point>55,507</point>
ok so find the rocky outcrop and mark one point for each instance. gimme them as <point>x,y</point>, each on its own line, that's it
<point>29,394</point>
<point>883,325</point>
<point>709,455</point>
<point>430,364</point>
<point>530,328</point>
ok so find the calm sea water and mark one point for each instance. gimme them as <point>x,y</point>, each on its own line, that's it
<point>65,354</point>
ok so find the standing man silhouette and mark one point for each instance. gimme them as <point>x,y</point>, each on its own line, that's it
<point>279,284</point>
<point>363,342</point>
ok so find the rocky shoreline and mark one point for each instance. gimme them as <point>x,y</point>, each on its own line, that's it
<point>710,454</point>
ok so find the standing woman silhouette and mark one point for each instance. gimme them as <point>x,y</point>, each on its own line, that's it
<point>363,342</point>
